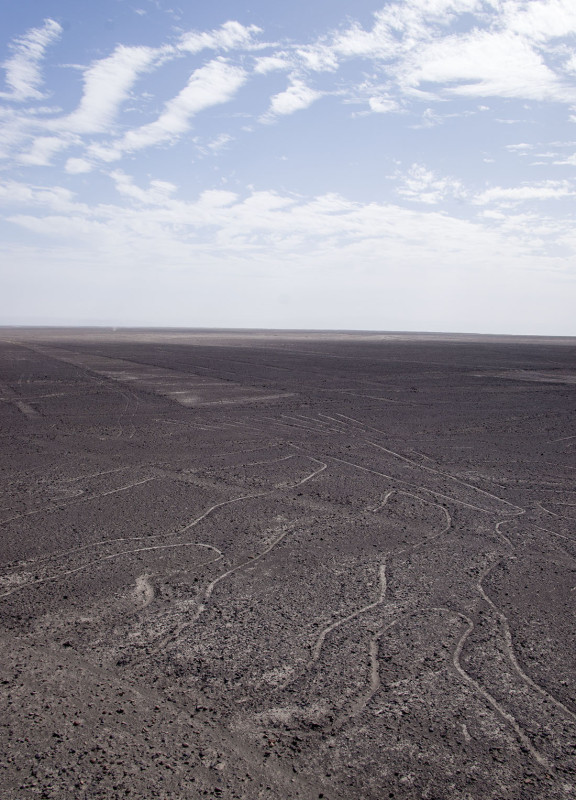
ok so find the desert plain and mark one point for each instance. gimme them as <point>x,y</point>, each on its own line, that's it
<point>250,564</point>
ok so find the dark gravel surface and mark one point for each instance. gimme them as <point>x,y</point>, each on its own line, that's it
<point>287,565</point>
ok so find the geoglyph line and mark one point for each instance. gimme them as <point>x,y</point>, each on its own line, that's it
<point>509,718</point>
<point>512,656</point>
<point>173,636</point>
<point>329,628</point>
<point>412,485</point>
<point>444,474</point>
<point>110,557</point>
<point>63,504</point>
<point>383,582</point>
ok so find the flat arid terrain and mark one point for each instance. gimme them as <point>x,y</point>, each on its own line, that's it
<point>287,565</point>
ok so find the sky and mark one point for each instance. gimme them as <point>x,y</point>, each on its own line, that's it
<point>407,165</point>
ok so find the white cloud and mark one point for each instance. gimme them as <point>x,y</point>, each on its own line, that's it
<point>23,74</point>
<point>541,20</point>
<point>76,166</point>
<point>483,64</point>
<point>297,97</point>
<point>55,198</point>
<point>570,64</point>
<point>253,224</point>
<point>568,161</point>
<point>415,51</point>
<point>549,190</point>
<point>383,104</point>
<point>158,193</point>
<point>502,49</point>
<point>318,58</point>
<point>521,147</point>
<point>231,35</point>
<point>107,84</point>
<point>424,186</point>
<point>42,150</point>
<point>215,83</point>
<point>219,143</point>
<point>377,43</point>
<point>266,64</point>
<point>332,254</point>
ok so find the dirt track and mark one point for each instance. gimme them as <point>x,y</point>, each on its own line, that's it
<point>277,565</point>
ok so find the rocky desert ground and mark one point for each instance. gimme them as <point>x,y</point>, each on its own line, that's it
<point>287,565</point>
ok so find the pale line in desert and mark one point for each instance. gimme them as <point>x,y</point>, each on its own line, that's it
<point>262,463</point>
<point>487,696</point>
<point>59,506</point>
<point>110,557</point>
<point>511,654</point>
<point>324,633</point>
<point>375,680</point>
<point>93,475</point>
<point>151,536</point>
<point>427,458</point>
<point>357,421</point>
<point>547,511</point>
<point>296,423</point>
<point>310,419</point>
<point>192,524</point>
<point>368,396</point>
<point>325,425</point>
<point>385,499</point>
<point>412,485</point>
<point>363,701</point>
<point>322,636</point>
<point>343,426</point>
<point>275,421</point>
<point>421,499</point>
<point>435,535</point>
<point>223,503</point>
<point>560,535</point>
<point>271,444</point>
<point>212,585</point>
<point>503,535</point>
<point>444,474</point>
<point>187,423</point>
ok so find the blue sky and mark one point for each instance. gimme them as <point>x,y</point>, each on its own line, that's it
<point>404,165</point>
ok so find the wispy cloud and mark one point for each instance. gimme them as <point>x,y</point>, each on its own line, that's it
<point>56,199</point>
<point>23,74</point>
<point>215,83</point>
<point>158,193</point>
<point>107,84</point>
<point>260,220</point>
<point>507,196</point>
<point>269,227</point>
<point>541,20</point>
<point>383,104</point>
<point>76,166</point>
<point>425,186</point>
<point>505,49</point>
<point>296,97</point>
<point>43,149</point>
<point>231,35</point>
<point>279,61</point>
<point>484,64</point>
<point>416,55</point>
